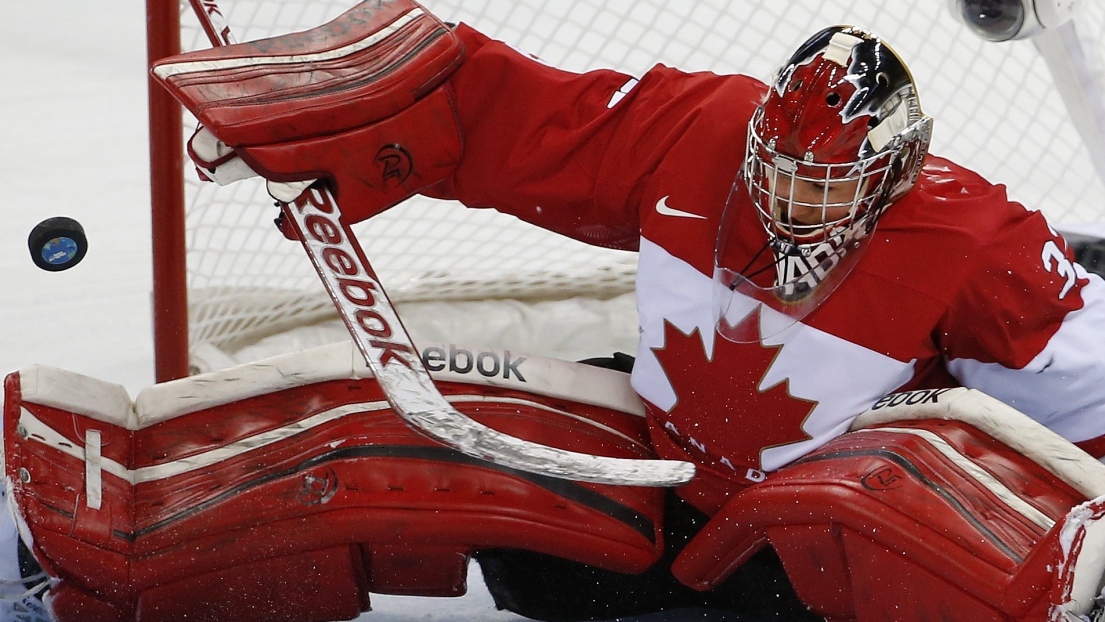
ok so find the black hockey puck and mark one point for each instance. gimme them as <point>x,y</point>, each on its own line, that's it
<point>57,243</point>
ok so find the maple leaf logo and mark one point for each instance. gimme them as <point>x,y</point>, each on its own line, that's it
<point>721,414</point>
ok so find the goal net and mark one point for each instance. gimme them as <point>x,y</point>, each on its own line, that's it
<point>998,109</point>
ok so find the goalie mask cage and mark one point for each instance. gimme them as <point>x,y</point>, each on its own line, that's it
<point>224,277</point>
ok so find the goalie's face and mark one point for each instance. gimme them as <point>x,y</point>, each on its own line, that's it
<point>804,204</point>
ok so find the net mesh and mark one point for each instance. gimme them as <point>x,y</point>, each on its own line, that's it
<point>996,109</point>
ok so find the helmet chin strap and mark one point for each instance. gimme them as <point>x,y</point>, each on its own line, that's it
<point>799,268</point>
<point>798,272</point>
<point>784,248</point>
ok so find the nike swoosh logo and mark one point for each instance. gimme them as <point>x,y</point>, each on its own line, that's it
<point>663,209</point>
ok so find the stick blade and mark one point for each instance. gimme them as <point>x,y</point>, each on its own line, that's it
<point>474,439</point>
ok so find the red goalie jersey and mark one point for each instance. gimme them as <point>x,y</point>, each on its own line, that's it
<point>958,285</point>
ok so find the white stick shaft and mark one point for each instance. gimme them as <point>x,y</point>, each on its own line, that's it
<point>213,22</point>
<point>393,359</point>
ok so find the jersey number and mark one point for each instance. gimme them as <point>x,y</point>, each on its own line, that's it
<point>1056,261</point>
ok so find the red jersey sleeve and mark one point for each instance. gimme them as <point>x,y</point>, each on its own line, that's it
<point>1028,326</point>
<point>1020,284</point>
<point>535,143</point>
<point>570,152</point>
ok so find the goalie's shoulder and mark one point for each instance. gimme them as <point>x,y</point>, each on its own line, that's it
<point>954,200</point>
<point>955,213</point>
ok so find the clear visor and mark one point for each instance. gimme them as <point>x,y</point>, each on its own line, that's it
<point>791,280</point>
<point>816,217</point>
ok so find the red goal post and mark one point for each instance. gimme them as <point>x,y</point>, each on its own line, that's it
<point>170,317</point>
<point>223,277</point>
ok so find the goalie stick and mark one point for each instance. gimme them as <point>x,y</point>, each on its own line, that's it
<point>390,354</point>
<point>393,359</point>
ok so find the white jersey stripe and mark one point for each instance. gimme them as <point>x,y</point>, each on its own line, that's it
<point>1072,359</point>
<point>39,431</point>
<point>669,290</point>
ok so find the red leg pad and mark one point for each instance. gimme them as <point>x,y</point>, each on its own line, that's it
<point>928,519</point>
<point>315,586</point>
<point>301,501</point>
<point>418,570</point>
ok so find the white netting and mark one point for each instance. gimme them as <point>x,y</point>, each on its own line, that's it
<point>995,107</point>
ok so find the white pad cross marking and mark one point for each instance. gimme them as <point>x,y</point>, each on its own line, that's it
<point>93,469</point>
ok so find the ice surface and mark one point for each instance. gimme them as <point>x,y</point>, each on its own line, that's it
<point>73,143</point>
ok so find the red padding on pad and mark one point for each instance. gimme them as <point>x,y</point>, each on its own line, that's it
<point>343,491</point>
<point>366,65</point>
<point>883,520</point>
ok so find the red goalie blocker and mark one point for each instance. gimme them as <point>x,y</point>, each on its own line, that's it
<point>289,490</point>
<point>915,520</point>
<point>354,101</point>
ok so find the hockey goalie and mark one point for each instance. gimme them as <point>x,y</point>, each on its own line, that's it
<point>888,377</point>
